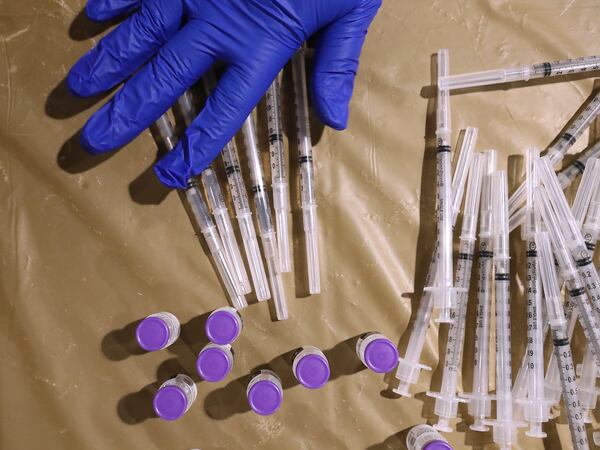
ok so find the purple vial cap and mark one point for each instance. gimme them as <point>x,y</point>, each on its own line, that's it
<point>264,398</point>
<point>312,371</point>
<point>213,364</point>
<point>222,327</point>
<point>152,334</point>
<point>170,403</point>
<point>381,356</point>
<point>438,445</point>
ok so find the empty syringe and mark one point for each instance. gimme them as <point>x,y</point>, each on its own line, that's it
<point>409,367</point>
<point>480,405</point>
<point>568,270</point>
<point>205,222</point>
<point>239,198</point>
<point>279,175</point>
<point>307,188</point>
<point>446,401</point>
<point>557,150</point>
<point>591,224</point>
<point>217,205</point>
<point>504,425</point>
<point>571,230</point>
<point>560,339</point>
<point>536,406</point>
<point>524,73</point>
<point>565,177</point>
<point>265,222</point>
<point>442,289</point>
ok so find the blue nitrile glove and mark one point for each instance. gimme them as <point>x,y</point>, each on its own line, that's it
<point>167,45</point>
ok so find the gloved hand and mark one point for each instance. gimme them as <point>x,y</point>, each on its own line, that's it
<point>167,45</point>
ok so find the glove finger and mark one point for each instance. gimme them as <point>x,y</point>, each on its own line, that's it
<point>125,49</point>
<point>336,63</point>
<point>149,93</point>
<point>102,10</point>
<point>236,94</point>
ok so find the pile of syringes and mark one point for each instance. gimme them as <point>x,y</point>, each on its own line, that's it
<point>210,210</point>
<point>562,288</point>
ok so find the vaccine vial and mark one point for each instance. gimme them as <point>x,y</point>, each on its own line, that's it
<point>310,367</point>
<point>264,393</point>
<point>215,362</point>
<point>377,352</point>
<point>174,397</point>
<point>224,325</point>
<point>425,437</point>
<point>157,331</point>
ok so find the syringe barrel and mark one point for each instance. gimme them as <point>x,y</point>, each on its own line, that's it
<point>213,189</point>
<point>565,66</point>
<point>276,147</point>
<point>564,358</point>
<point>237,188</point>
<point>568,174</point>
<point>482,330</point>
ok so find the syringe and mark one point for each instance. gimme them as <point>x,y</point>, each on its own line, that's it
<point>565,178</point>
<point>480,405</point>
<point>560,339</point>
<point>217,205</point>
<point>204,221</point>
<point>279,175</point>
<point>536,406</point>
<point>446,403</point>
<point>307,189</point>
<point>239,197</point>
<point>580,206</point>
<point>571,230</point>
<point>569,271</point>
<point>560,146</point>
<point>444,294</point>
<point>265,223</point>
<point>524,73</point>
<point>409,367</point>
<point>504,425</point>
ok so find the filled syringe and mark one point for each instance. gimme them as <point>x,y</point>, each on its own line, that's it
<point>504,426</point>
<point>536,406</point>
<point>446,401</point>
<point>265,222</point>
<point>239,198</point>
<point>205,223</point>
<point>442,288</point>
<point>217,204</point>
<point>523,73</point>
<point>480,405</point>
<point>279,174</point>
<point>560,339</point>
<point>409,367</point>
<point>305,158</point>
<point>559,147</point>
<point>565,177</point>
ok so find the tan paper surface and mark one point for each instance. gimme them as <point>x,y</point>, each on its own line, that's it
<point>87,249</point>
